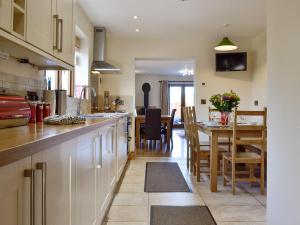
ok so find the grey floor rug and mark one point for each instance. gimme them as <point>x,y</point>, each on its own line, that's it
<point>164,177</point>
<point>181,215</point>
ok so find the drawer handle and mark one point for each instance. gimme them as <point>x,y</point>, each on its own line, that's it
<point>29,173</point>
<point>43,166</point>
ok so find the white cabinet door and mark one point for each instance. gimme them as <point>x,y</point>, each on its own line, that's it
<point>54,190</point>
<point>15,193</point>
<point>112,156</point>
<point>66,42</point>
<point>102,196</point>
<point>40,23</point>
<point>122,136</point>
<point>5,14</point>
<point>85,180</point>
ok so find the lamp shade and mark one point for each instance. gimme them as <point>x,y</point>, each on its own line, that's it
<point>226,45</point>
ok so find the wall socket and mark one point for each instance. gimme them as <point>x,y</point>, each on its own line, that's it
<point>4,55</point>
<point>256,102</point>
<point>203,101</point>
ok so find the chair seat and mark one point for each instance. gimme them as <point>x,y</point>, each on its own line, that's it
<point>244,157</point>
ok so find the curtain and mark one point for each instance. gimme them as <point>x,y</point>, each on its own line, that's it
<point>164,97</point>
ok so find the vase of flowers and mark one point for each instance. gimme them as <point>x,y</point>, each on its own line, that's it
<point>225,103</point>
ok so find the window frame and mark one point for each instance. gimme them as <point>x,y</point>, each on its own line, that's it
<point>70,92</point>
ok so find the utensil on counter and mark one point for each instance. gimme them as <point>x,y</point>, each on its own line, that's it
<point>61,102</point>
<point>49,96</point>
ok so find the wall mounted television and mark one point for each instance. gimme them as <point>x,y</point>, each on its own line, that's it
<point>236,61</point>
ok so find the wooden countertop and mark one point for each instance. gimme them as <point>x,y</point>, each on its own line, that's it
<point>20,142</point>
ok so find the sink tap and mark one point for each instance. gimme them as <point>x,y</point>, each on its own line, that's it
<point>81,96</point>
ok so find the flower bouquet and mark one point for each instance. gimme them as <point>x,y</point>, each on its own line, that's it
<point>225,104</point>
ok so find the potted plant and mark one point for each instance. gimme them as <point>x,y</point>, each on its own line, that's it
<point>225,103</point>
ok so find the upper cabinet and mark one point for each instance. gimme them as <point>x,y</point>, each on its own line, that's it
<point>65,30</point>
<point>40,31</point>
<point>50,27</point>
<point>5,14</point>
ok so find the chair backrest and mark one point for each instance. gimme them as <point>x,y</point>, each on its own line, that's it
<point>153,124</point>
<point>191,128</point>
<point>172,120</point>
<point>249,134</point>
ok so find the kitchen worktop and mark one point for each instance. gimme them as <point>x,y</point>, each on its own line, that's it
<point>19,142</point>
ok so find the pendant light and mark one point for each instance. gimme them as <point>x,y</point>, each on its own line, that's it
<point>226,44</point>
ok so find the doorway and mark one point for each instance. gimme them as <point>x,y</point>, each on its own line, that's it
<point>180,95</point>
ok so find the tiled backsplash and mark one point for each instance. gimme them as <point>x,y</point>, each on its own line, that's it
<point>20,85</point>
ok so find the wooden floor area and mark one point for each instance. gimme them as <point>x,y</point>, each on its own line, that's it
<point>177,150</point>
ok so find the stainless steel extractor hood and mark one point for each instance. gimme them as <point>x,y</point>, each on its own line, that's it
<point>99,63</point>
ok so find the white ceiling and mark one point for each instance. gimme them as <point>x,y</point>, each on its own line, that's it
<point>165,18</point>
<point>168,67</point>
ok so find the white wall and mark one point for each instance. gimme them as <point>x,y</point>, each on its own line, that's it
<point>283,51</point>
<point>259,82</point>
<point>123,52</point>
<point>153,80</point>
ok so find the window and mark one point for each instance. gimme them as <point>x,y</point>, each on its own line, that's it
<point>82,68</point>
<point>60,79</point>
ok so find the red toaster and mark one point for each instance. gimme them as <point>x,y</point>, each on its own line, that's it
<point>14,111</point>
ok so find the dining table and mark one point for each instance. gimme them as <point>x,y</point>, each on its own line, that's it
<point>215,132</point>
<point>140,119</point>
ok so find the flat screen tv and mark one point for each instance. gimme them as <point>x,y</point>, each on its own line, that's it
<point>231,61</point>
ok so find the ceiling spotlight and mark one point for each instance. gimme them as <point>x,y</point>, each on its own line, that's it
<point>137,30</point>
<point>135,17</point>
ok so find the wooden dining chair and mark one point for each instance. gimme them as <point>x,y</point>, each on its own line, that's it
<point>152,129</point>
<point>243,136</point>
<point>199,152</point>
<point>164,129</point>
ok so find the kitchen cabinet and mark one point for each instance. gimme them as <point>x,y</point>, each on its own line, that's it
<point>50,27</point>
<point>112,155</point>
<point>54,184</point>
<point>122,136</point>
<point>86,179</point>
<point>40,24</point>
<point>70,183</point>
<point>15,195</point>
<point>65,30</point>
<point>5,14</point>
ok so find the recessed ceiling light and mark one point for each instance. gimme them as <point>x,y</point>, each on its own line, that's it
<point>135,17</point>
<point>137,30</point>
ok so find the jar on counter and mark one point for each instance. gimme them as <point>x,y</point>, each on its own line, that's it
<point>46,110</point>
<point>33,110</point>
<point>39,112</point>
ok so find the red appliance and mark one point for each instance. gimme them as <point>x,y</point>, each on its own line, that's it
<point>14,111</point>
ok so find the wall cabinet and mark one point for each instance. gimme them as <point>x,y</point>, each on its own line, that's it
<point>50,26</point>
<point>40,22</point>
<point>5,14</point>
<point>65,30</point>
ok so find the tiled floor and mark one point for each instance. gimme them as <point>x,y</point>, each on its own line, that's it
<point>131,205</point>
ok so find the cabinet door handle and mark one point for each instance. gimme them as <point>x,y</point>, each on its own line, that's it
<point>61,23</point>
<point>55,18</point>
<point>43,166</point>
<point>100,151</point>
<point>29,173</point>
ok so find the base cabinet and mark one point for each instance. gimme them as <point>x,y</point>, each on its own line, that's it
<point>54,185</point>
<point>71,183</point>
<point>85,201</point>
<point>15,193</point>
<point>122,136</point>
